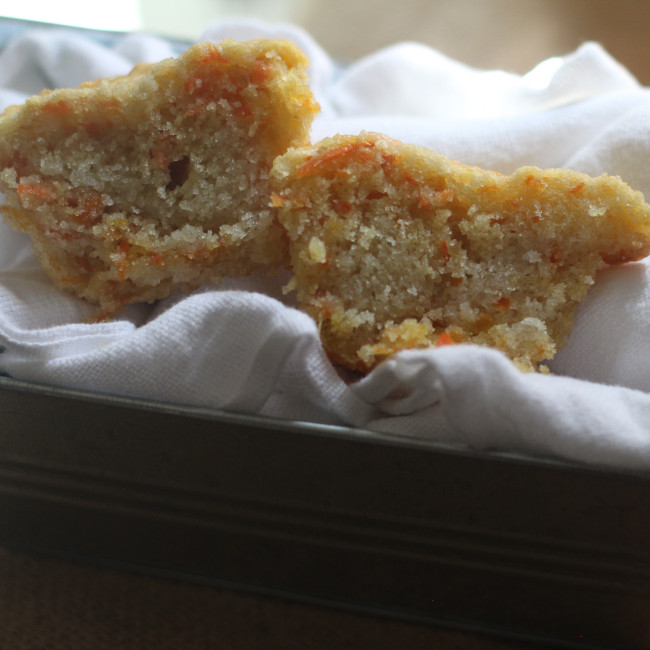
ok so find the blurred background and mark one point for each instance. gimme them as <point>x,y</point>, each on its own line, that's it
<point>513,35</point>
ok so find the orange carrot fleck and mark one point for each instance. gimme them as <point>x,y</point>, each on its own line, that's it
<point>214,57</point>
<point>242,110</point>
<point>444,251</point>
<point>577,188</point>
<point>391,159</point>
<point>341,207</point>
<point>261,73</point>
<point>37,191</point>
<point>93,129</point>
<point>556,254</point>
<point>534,180</point>
<point>57,108</point>
<point>339,155</point>
<point>91,208</point>
<point>503,303</point>
<point>444,339</point>
<point>325,311</point>
<point>618,257</point>
<point>112,104</point>
<point>192,84</point>
<point>62,234</point>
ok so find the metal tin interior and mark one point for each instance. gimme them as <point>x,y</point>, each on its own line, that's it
<point>519,547</point>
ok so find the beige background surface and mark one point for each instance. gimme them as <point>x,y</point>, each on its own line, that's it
<point>508,34</point>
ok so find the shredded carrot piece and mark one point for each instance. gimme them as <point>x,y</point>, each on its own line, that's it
<point>556,254</point>
<point>57,108</point>
<point>325,311</point>
<point>242,110</point>
<point>358,151</point>
<point>444,339</point>
<point>341,207</point>
<point>503,303</point>
<point>112,104</point>
<point>621,257</point>
<point>93,129</point>
<point>38,191</point>
<point>261,73</point>
<point>391,159</point>
<point>91,208</point>
<point>444,251</point>
<point>534,181</point>
<point>438,196</point>
<point>192,84</point>
<point>214,57</point>
<point>61,234</point>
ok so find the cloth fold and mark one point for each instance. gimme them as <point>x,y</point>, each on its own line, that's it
<point>243,346</point>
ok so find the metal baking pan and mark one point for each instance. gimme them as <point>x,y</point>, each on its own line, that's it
<point>519,547</point>
<point>514,546</point>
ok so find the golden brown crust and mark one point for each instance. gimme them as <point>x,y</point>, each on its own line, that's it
<point>394,247</point>
<point>135,186</point>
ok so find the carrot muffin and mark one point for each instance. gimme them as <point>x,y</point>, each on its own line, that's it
<point>135,186</point>
<point>394,246</point>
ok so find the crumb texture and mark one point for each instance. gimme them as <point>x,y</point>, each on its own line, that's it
<point>136,186</point>
<point>394,246</point>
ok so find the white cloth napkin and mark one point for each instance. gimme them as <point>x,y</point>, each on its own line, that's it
<point>243,346</point>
